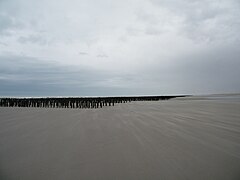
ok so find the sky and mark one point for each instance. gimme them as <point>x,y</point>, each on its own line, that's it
<point>114,48</point>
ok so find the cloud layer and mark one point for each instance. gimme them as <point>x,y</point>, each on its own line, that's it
<point>119,48</point>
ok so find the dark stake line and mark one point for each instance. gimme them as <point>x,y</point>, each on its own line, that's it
<point>74,102</point>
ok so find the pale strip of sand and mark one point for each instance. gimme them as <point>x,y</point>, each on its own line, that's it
<point>169,140</point>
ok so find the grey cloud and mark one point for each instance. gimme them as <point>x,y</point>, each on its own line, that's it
<point>4,44</point>
<point>27,76</point>
<point>6,23</point>
<point>154,46</point>
<point>25,68</point>
<point>153,31</point>
<point>153,24</point>
<point>8,20</point>
<point>24,75</point>
<point>206,19</point>
<point>83,53</point>
<point>102,56</point>
<point>215,71</point>
<point>134,31</point>
<point>35,39</point>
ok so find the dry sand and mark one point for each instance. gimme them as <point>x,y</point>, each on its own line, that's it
<point>176,139</point>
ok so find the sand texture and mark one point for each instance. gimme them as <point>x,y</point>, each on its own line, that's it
<point>179,139</point>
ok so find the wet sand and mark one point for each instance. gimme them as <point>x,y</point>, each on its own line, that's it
<point>188,138</point>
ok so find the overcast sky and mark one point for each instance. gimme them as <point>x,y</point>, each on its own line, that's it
<point>125,47</point>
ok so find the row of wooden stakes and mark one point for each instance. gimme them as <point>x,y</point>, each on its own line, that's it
<point>73,102</point>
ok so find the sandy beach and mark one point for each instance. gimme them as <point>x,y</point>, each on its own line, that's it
<point>184,138</point>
